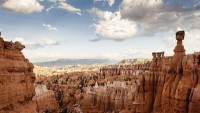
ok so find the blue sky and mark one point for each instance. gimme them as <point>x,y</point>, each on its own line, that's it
<point>114,29</point>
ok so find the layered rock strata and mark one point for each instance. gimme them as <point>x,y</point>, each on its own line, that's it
<point>113,97</point>
<point>173,81</point>
<point>16,79</point>
<point>127,70</point>
<point>45,100</point>
<point>167,85</point>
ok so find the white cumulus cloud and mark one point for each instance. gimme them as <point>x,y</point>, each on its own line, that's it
<point>139,9</point>
<point>111,26</point>
<point>110,2</point>
<point>62,4</point>
<point>22,6</point>
<point>34,45</point>
<point>69,8</point>
<point>146,18</point>
<point>154,16</point>
<point>50,27</point>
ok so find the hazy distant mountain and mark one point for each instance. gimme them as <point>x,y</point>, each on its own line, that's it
<point>63,62</point>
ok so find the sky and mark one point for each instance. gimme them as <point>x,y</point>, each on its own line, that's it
<point>105,29</point>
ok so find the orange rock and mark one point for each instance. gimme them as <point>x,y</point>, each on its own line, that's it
<point>16,80</point>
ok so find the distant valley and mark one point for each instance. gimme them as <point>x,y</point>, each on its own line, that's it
<point>64,62</point>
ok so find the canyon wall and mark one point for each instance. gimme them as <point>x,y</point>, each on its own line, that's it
<point>16,79</point>
<point>167,85</point>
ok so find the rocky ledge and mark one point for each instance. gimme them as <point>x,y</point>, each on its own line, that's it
<point>16,79</point>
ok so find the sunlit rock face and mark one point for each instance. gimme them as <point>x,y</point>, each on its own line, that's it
<point>16,79</point>
<point>112,97</point>
<point>171,86</point>
<point>123,70</point>
<point>45,100</point>
<point>167,85</point>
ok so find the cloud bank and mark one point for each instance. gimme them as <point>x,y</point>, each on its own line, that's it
<point>62,4</point>
<point>145,18</point>
<point>111,25</point>
<point>22,6</point>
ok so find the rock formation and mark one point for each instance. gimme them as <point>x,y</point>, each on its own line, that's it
<point>16,79</point>
<point>166,84</point>
<point>112,97</point>
<point>45,100</point>
<point>170,82</point>
<point>126,70</point>
<point>133,61</point>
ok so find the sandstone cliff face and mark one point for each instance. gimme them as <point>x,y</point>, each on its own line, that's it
<point>45,100</point>
<point>114,97</point>
<point>123,70</point>
<point>179,93</point>
<point>16,80</point>
<point>174,82</point>
<point>167,85</point>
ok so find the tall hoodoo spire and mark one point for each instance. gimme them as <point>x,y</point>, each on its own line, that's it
<point>179,52</point>
<point>179,49</point>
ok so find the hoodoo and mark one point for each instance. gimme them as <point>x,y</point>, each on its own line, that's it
<point>167,84</point>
